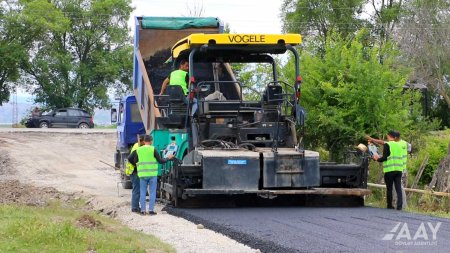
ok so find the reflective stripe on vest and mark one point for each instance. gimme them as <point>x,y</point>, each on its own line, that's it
<point>394,161</point>
<point>178,77</point>
<point>404,147</point>
<point>147,165</point>
<point>129,168</point>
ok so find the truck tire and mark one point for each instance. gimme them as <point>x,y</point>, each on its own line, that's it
<point>44,124</point>
<point>126,181</point>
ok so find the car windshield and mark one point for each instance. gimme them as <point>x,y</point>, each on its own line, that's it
<point>47,113</point>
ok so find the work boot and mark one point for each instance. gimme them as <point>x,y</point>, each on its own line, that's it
<point>152,213</point>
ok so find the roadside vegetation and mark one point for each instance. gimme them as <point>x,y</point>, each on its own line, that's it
<point>433,147</point>
<point>58,227</point>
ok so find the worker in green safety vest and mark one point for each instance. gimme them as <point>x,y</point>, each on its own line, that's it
<point>178,77</point>
<point>131,170</point>
<point>392,160</point>
<point>146,158</point>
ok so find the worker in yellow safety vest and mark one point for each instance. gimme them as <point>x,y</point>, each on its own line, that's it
<point>146,158</point>
<point>393,165</point>
<point>131,171</point>
<point>178,77</point>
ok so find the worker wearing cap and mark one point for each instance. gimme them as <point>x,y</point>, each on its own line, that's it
<point>178,77</point>
<point>392,167</point>
<point>406,148</point>
<point>131,171</point>
<point>146,158</point>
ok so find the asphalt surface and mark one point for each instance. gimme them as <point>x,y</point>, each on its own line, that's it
<point>307,229</point>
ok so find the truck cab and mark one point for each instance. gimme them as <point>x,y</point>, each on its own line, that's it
<point>129,126</point>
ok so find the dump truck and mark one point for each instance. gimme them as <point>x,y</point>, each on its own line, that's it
<point>129,127</point>
<point>236,133</point>
<point>153,39</point>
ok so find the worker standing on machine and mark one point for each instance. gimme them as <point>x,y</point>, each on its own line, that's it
<point>178,77</point>
<point>131,171</point>
<point>392,168</point>
<point>146,158</point>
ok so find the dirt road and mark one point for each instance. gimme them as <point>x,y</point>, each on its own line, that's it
<point>69,161</point>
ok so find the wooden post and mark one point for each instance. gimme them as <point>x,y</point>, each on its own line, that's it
<point>441,194</point>
<point>420,172</point>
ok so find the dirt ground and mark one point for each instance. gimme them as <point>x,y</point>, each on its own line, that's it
<point>37,165</point>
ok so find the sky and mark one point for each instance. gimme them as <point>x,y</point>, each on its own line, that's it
<point>243,16</point>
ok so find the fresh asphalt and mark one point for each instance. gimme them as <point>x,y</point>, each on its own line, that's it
<point>328,229</point>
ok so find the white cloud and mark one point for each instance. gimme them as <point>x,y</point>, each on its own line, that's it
<point>249,16</point>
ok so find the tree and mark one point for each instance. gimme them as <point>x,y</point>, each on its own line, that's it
<point>348,92</point>
<point>387,16</point>
<point>20,27</point>
<point>77,65</point>
<point>11,52</point>
<point>424,41</point>
<point>318,19</point>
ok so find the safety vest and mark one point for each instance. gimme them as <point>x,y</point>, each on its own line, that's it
<point>129,168</point>
<point>147,165</point>
<point>395,160</point>
<point>178,77</point>
<point>404,147</point>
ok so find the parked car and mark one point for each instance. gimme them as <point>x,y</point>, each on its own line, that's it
<point>66,117</point>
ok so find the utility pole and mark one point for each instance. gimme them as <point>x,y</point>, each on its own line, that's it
<point>15,113</point>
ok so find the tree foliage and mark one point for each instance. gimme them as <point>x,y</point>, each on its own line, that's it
<point>424,40</point>
<point>11,51</point>
<point>318,19</point>
<point>77,64</point>
<point>348,93</point>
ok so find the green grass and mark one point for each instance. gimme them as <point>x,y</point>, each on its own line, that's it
<point>54,229</point>
<point>112,126</point>
<point>417,203</point>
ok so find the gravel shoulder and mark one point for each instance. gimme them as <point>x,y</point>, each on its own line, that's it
<point>70,161</point>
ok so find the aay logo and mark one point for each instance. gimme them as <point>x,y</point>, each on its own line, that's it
<point>424,235</point>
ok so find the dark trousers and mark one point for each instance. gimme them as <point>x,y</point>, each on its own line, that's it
<point>135,192</point>
<point>394,178</point>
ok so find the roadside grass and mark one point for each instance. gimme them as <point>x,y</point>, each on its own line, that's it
<point>425,204</point>
<point>112,126</point>
<point>65,228</point>
<point>12,126</point>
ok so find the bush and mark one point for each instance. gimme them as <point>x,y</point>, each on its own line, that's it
<point>434,145</point>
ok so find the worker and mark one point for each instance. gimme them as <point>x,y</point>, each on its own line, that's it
<point>178,77</point>
<point>406,148</point>
<point>146,158</point>
<point>130,170</point>
<point>392,167</point>
<point>36,112</point>
<point>181,77</point>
